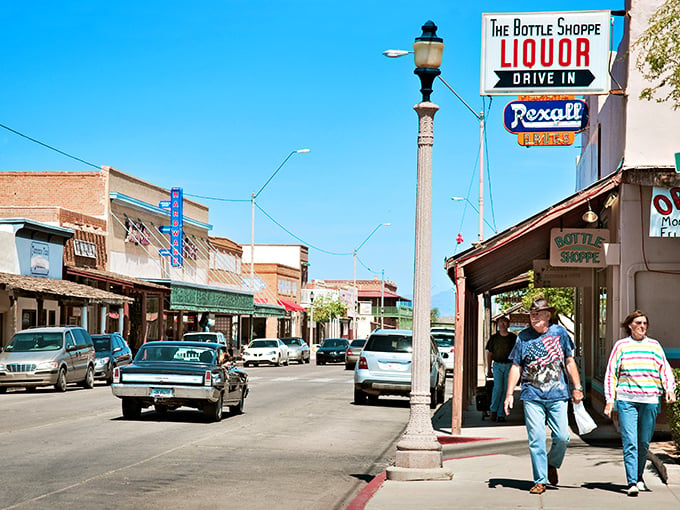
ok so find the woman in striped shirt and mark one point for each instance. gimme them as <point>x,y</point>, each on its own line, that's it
<point>638,374</point>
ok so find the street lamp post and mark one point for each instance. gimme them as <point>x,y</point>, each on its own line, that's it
<point>311,319</point>
<point>382,299</point>
<point>356,290</point>
<point>481,233</point>
<point>419,454</point>
<point>252,216</point>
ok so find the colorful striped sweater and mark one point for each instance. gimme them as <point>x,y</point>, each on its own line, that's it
<point>637,372</point>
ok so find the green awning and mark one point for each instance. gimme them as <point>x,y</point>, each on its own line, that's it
<point>200,298</point>
<point>262,310</point>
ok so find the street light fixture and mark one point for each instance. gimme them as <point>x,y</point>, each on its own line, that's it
<point>457,199</point>
<point>419,454</point>
<point>252,216</point>
<point>356,290</point>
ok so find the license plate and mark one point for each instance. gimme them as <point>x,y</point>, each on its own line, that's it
<point>161,392</point>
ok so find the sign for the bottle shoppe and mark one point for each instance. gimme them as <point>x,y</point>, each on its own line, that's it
<point>545,53</point>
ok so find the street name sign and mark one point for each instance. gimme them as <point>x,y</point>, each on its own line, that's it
<point>545,53</point>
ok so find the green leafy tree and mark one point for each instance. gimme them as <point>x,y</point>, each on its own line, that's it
<point>434,315</point>
<point>659,57</point>
<point>562,298</point>
<point>326,309</point>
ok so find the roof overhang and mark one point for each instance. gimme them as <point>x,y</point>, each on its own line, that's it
<point>495,262</point>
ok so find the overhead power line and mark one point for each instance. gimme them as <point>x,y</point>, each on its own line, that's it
<point>49,146</point>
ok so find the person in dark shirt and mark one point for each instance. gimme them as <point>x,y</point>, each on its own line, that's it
<point>498,365</point>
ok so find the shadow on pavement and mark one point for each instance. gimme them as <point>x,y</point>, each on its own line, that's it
<point>510,483</point>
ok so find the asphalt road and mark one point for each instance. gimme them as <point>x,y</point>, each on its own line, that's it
<point>301,443</point>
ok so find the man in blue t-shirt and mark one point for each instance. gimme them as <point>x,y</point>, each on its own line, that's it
<point>541,356</point>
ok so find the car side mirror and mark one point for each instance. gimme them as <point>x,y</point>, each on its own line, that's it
<point>117,349</point>
<point>71,347</point>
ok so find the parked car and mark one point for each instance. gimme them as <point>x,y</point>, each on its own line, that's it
<point>216,337</point>
<point>353,351</point>
<point>172,374</point>
<point>331,350</point>
<point>384,367</point>
<point>298,349</point>
<point>111,351</point>
<point>445,340</point>
<point>265,350</point>
<point>48,356</point>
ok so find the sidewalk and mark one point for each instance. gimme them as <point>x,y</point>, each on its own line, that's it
<point>492,469</point>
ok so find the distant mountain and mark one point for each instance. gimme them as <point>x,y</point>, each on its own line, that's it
<point>445,301</point>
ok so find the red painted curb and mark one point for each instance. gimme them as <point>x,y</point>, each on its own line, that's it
<point>367,492</point>
<point>459,439</point>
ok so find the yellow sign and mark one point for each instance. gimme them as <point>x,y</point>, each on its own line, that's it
<point>546,139</point>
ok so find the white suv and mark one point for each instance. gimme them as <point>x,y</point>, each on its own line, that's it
<point>384,367</point>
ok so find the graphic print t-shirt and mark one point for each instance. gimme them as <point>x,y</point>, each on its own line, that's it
<point>541,359</point>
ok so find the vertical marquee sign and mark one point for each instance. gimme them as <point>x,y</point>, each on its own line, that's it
<point>545,53</point>
<point>176,228</point>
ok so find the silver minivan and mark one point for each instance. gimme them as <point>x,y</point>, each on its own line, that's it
<point>48,356</point>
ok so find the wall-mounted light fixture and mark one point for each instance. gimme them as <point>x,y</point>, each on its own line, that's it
<point>610,200</point>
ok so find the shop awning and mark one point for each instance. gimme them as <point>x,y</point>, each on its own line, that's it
<point>59,288</point>
<point>193,297</point>
<point>512,252</point>
<point>113,278</point>
<point>290,306</point>
<point>267,310</point>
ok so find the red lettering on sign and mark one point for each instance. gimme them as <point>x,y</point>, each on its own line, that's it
<point>547,54</point>
<point>564,55</point>
<point>529,50</point>
<point>582,52</point>
<point>663,205</point>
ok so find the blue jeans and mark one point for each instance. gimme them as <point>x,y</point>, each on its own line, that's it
<point>500,386</point>
<point>535,415</point>
<point>637,422</point>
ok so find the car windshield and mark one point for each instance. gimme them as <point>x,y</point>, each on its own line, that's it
<point>101,343</point>
<point>389,343</point>
<point>263,343</point>
<point>291,341</point>
<point>175,353</point>
<point>201,337</point>
<point>443,340</point>
<point>334,342</point>
<point>358,343</point>
<point>28,342</point>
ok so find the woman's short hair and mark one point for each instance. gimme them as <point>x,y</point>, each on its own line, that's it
<point>632,316</point>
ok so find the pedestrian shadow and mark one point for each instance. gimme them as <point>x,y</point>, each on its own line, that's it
<point>604,486</point>
<point>510,483</point>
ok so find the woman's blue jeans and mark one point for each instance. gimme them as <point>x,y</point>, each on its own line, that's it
<point>637,422</point>
<point>500,386</point>
<point>536,413</point>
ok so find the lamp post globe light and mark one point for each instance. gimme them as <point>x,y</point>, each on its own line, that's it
<point>356,289</point>
<point>419,454</point>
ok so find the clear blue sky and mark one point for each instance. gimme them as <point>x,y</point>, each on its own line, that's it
<point>211,96</point>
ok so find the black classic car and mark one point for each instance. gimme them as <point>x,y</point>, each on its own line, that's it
<point>171,374</point>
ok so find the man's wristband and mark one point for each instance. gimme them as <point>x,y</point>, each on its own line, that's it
<point>578,388</point>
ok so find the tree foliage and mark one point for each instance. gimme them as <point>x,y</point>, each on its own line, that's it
<point>434,315</point>
<point>561,298</point>
<point>659,55</point>
<point>326,309</point>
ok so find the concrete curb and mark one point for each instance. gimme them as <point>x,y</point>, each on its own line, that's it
<point>669,472</point>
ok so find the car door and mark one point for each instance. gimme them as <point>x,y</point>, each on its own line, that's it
<point>72,363</point>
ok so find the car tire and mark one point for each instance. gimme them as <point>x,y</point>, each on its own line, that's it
<point>359,397</point>
<point>285,363</point>
<point>308,359</point>
<point>109,378</point>
<point>60,385</point>
<point>88,382</point>
<point>213,410</point>
<point>238,408</point>
<point>31,389</point>
<point>131,409</point>
<point>348,366</point>
<point>246,364</point>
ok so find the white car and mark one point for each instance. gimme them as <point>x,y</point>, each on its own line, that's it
<point>445,341</point>
<point>265,350</point>
<point>216,337</point>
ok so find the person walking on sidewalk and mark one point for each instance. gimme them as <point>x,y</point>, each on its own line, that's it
<point>498,365</point>
<point>541,357</point>
<point>637,375</point>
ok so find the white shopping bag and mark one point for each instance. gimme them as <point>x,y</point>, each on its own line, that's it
<point>584,421</point>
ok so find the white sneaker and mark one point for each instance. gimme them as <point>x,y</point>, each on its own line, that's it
<point>642,487</point>
<point>633,490</point>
